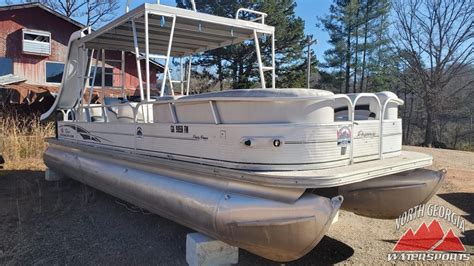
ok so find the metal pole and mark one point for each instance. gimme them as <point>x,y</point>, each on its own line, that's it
<point>188,81</point>
<point>259,59</point>
<point>181,75</point>
<point>147,57</point>
<point>122,70</point>
<point>470,133</point>
<point>104,116</point>
<point>103,72</point>
<point>137,57</point>
<point>171,82</point>
<point>87,78</point>
<point>273,62</point>
<point>91,89</point>
<point>168,53</point>
<point>310,42</point>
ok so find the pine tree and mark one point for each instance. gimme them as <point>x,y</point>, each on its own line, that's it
<point>382,62</point>
<point>350,22</point>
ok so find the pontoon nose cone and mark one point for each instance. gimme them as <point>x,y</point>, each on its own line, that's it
<point>277,231</point>
<point>389,196</point>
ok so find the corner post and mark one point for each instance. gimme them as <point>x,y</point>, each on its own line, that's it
<point>259,59</point>
<point>137,58</point>
<point>273,61</point>
<point>147,57</point>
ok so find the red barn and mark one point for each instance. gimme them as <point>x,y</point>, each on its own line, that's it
<point>33,49</point>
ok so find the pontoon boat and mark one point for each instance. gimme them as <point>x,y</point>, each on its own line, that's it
<point>262,169</point>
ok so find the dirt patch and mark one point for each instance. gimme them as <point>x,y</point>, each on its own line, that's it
<point>67,222</point>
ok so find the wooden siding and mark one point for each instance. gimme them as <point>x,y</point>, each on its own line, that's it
<point>33,67</point>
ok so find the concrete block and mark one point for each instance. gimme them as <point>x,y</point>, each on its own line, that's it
<point>50,175</point>
<point>203,250</point>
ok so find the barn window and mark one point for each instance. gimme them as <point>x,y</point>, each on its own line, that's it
<point>6,66</point>
<point>54,72</point>
<point>36,42</point>
<point>109,79</point>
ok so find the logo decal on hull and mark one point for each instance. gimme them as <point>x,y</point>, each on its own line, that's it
<point>84,133</point>
<point>344,138</point>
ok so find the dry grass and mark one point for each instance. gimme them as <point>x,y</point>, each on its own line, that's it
<point>23,142</point>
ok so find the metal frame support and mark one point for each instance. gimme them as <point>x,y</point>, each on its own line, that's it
<point>91,89</point>
<point>137,58</point>
<point>122,70</point>
<point>308,64</point>
<point>168,53</point>
<point>259,59</point>
<point>87,63</point>
<point>188,79</point>
<point>181,75</point>
<point>147,57</point>
<point>103,71</point>
<point>104,116</point>
<point>273,62</point>
<point>171,82</point>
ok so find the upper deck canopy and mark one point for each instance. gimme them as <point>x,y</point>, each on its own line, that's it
<point>194,32</point>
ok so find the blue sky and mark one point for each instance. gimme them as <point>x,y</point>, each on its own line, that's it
<point>306,9</point>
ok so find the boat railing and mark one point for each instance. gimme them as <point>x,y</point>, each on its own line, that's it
<point>353,121</point>
<point>260,16</point>
<point>382,118</point>
<point>141,108</point>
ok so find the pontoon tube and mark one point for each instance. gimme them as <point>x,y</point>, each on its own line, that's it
<point>272,229</point>
<point>389,196</point>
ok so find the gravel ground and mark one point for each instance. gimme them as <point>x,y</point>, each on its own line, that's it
<point>69,223</point>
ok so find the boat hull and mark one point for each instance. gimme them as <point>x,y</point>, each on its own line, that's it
<point>260,225</point>
<point>389,196</point>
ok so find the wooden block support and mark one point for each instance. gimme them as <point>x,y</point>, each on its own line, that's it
<point>203,250</point>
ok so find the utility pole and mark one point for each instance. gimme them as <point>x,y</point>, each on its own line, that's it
<point>470,133</point>
<point>308,73</point>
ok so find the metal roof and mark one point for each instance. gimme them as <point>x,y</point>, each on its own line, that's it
<point>45,8</point>
<point>194,32</point>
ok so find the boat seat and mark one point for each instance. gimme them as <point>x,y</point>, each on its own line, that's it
<point>254,106</point>
<point>95,113</point>
<point>261,93</point>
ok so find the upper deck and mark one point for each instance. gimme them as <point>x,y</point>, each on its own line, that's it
<point>194,32</point>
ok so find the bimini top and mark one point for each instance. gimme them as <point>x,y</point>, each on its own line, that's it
<point>194,32</point>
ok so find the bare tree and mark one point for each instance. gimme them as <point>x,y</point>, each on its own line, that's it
<point>69,8</point>
<point>99,11</point>
<point>434,39</point>
<point>95,12</point>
